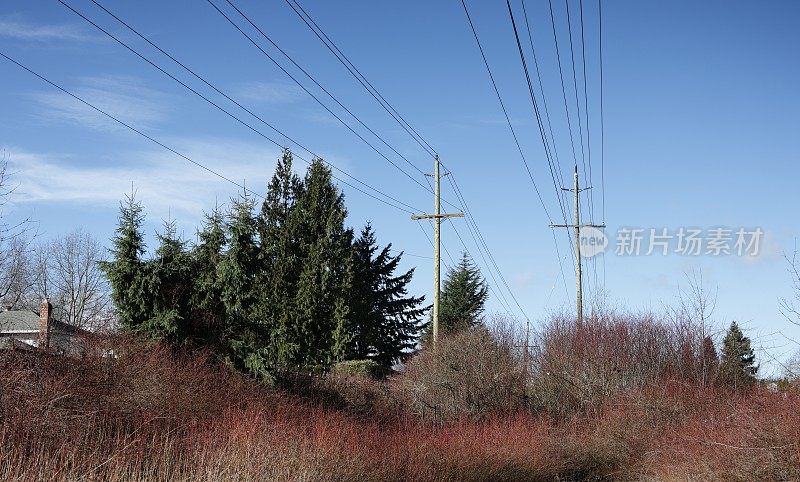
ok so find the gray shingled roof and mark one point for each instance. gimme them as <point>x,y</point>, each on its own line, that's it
<point>19,320</point>
<point>16,321</point>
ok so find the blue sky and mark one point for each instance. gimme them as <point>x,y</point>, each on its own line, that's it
<point>700,107</point>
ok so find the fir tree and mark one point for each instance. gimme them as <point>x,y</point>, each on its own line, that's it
<point>240,264</point>
<point>322,321</point>
<point>737,366</point>
<point>386,320</point>
<point>126,271</point>
<point>171,276</point>
<point>279,233</point>
<point>209,326</point>
<point>237,275</point>
<point>464,294</point>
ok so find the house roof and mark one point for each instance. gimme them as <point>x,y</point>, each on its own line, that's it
<point>18,321</point>
<point>27,321</point>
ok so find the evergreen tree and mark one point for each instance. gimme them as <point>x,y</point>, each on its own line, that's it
<point>208,321</point>
<point>737,367</point>
<point>171,277</point>
<point>279,234</point>
<point>239,266</point>
<point>386,320</point>
<point>238,270</point>
<point>322,320</point>
<point>126,271</point>
<point>464,294</point>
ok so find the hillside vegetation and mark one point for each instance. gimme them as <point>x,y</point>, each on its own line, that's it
<point>622,398</point>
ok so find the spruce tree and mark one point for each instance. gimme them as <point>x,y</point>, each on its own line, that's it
<point>171,277</point>
<point>386,321</point>
<point>280,258</point>
<point>208,321</point>
<point>126,270</point>
<point>237,275</point>
<point>464,294</point>
<point>321,327</point>
<point>240,264</point>
<point>737,366</point>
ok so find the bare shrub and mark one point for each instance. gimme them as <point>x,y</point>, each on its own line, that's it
<point>577,366</point>
<point>148,413</point>
<point>467,374</point>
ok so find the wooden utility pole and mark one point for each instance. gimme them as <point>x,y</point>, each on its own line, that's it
<point>437,217</point>
<point>576,190</point>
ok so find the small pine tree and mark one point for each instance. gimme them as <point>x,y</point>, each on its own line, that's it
<point>737,367</point>
<point>127,271</point>
<point>386,320</point>
<point>464,295</point>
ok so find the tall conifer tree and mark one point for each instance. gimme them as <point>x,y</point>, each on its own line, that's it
<point>237,274</point>
<point>126,271</point>
<point>209,320</point>
<point>386,320</point>
<point>171,277</point>
<point>322,321</point>
<point>280,258</point>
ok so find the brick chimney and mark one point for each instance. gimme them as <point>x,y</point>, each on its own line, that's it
<point>44,324</point>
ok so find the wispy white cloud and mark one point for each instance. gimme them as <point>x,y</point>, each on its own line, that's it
<point>14,27</point>
<point>271,92</point>
<point>166,184</point>
<point>123,97</point>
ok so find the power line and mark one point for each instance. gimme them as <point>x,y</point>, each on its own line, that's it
<point>552,135</point>
<point>161,144</point>
<point>563,85</point>
<point>306,18</point>
<point>481,250</point>
<point>511,128</point>
<point>331,45</point>
<point>563,88</point>
<point>225,111</point>
<point>235,25</point>
<point>128,126</point>
<point>471,218</point>
<point>602,128</point>
<point>588,133</point>
<point>537,114</point>
<point>541,90</point>
<point>428,236</point>
<point>501,296</point>
<point>505,112</point>
<point>540,124</point>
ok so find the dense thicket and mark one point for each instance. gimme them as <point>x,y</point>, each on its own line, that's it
<point>283,287</point>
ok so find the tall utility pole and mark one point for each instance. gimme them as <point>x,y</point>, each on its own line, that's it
<point>437,217</point>
<point>576,190</point>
